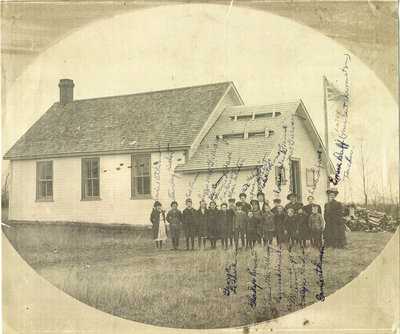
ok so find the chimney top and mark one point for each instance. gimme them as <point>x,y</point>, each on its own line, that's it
<point>66,90</point>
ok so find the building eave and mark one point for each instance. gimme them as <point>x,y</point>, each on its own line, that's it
<point>96,153</point>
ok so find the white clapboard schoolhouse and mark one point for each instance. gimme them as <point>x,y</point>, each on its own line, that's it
<point>108,159</point>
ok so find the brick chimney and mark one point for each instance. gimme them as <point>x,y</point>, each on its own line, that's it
<point>66,90</point>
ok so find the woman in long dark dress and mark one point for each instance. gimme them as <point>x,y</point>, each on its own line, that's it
<point>157,218</point>
<point>334,233</point>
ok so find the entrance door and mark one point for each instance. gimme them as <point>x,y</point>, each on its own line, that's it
<point>295,177</point>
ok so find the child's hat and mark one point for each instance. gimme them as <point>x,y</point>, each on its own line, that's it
<point>231,200</point>
<point>277,200</point>
<point>239,204</point>
<point>188,200</point>
<point>157,203</point>
<point>174,202</point>
<point>260,193</point>
<point>242,194</point>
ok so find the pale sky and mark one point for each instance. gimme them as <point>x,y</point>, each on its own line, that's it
<point>269,58</point>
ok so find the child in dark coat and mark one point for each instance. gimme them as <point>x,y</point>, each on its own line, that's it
<point>317,224</point>
<point>252,229</point>
<point>239,224</point>
<point>189,222</point>
<point>231,214</point>
<point>174,218</point>
<point>213,224</point>
<point>202,223</point>
<point>302,227</point>
<point>290,227</point>
<point>280,225</point>
<point>268,226</point>
<point>257,213</point>
<point>225,225</point>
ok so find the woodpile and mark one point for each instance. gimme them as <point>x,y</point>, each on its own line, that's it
<point>361,219</point>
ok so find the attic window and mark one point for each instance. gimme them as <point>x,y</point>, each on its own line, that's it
<point>266,133</point>
<point>254,116</point>
<point>233,135</point>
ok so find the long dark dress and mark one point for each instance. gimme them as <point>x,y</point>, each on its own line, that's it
<point>302,226</point>
<point>213,224</point>
<point>252,229</point>
<point>189,218</point>
<point>202,223</point>
<point>334,233</point>
<point>225,221</point>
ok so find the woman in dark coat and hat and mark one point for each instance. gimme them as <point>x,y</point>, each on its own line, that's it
<point>157,218</point>
<point>293,204</point>
<point>334,233</point>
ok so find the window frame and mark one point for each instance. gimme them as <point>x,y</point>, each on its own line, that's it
<point>38,180</point>
<point>313,177</point>
<point>284,179</point>
<point>83,179</point>
<point>133,178</point>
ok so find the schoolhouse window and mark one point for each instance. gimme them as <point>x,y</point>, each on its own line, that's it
<point>44,180</point>
<point>280,175</point>
<point>310,177</point>
<point>90,178</point>
<point>141,176</point>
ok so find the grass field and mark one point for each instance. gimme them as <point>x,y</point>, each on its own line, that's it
<point>117,270</point>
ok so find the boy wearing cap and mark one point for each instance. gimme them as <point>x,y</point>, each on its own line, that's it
<point>174,218</point>
<point>189,216</point>
<point>239,224</point>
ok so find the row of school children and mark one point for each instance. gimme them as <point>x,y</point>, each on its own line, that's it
<point>249,223</point>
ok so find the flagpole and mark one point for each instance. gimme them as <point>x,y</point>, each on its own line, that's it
<point>326,131</point>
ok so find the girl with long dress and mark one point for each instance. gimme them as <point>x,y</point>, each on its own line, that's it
<point>157,218</point>
<point>202,223</point>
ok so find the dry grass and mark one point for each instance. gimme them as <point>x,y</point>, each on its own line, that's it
<point>117,270</point>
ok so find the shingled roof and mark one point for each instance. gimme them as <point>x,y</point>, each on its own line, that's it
<point>142,121</point>
<point>225,146</point>
<point>233,149</point>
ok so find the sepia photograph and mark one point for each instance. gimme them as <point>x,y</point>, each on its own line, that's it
<point>198,166</point>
